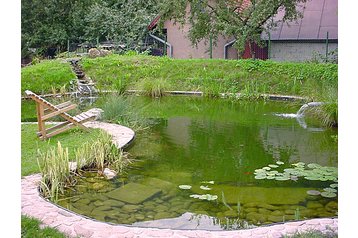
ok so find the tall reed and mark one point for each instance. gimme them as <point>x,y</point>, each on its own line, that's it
<point>54,166</point>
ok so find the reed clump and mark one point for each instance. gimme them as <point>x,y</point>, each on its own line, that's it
<point>97,155</point>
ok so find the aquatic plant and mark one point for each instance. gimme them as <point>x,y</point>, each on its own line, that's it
<point>185,187</point>
<point>154,87</point>
<point>310,171</point>
<point>55,171</point>
<point>118,109</point>
<point>207,197</point>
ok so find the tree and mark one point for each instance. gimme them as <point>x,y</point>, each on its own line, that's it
<point>122,21</point>
<point>244,20</point>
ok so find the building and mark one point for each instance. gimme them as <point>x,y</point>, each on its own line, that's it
<point>312,37</point>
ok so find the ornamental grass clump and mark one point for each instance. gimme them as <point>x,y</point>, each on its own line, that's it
<point>154,87</point>
<point>54,166</point>
<point>96,155</point>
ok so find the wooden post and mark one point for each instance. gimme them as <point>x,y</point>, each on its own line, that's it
<point>40,122</point>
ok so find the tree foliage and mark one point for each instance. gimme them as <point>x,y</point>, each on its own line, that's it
<point>50,23</point>
<point>244,20</point>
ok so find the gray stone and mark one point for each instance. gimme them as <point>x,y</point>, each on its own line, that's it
<point>277,213</point>
<point>130,208</point>
<point>134,193</point>
<point>162,215</point>
<point>313,205</point>
<point>273,218</point>
<point>109,174</point>
<point>256,217</point>
<point>231,213</point>
<point>250,209</point>
<point>158,183</point>
<point>332,206</point>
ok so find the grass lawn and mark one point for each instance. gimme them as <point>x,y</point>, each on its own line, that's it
<point>46,76</point>
<point>30,228</point>
<point>30,143</point>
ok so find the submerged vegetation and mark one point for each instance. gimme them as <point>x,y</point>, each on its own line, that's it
<point>57,173</point>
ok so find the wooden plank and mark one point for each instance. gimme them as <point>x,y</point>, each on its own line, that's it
<point>60,111</point>
<point>48,130</point>
<point>65,128</point>
<point>61,105</point>
<point>41,124</point>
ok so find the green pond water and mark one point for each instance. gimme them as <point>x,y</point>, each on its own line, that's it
<point>214,147</point>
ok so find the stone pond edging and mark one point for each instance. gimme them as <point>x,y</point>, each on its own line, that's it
<point>75,225</point>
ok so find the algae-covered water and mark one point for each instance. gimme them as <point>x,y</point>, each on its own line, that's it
<point>197,146</point>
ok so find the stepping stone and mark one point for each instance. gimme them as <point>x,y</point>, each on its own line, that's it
<point>134,193</point>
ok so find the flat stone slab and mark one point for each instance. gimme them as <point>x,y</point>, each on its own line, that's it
<point>274,195</point>
<point>134,193</point>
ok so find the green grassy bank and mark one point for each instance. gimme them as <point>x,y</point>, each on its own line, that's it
<point>257,76</point>
<point>316,82</point>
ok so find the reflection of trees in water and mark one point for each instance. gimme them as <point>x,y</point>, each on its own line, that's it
<point>221,150</point>
<point>292,144</point>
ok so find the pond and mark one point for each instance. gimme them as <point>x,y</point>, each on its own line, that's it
<point>209,164</point>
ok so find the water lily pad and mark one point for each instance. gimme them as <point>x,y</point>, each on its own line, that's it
<point>313,192</point>
<point>260,176</point>
<point>334,185</point>
<point>208,197</point>
<point>273,166</point>
<point>185,187</point>
<point>205,188</point>
<point>330,190</point>
<point>266,168</point>
<point>328,194</point>
<point>195,195</point>
<point>313,166</point>
<point>299,164</point>
<point>279,162</point>
<point>273,172</point>
<point>209,182</point>
<point>260,171</point>
<point>271,177</point>
<point>312,178</point>
<point>282,178</point>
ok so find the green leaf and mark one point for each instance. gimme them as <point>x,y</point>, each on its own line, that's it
<point>185,187</point>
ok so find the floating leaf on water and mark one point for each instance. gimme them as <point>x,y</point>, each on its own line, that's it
<point>185,187</point>
<point>294,178</point>
<point>260,171</point>
<point>273,172</point>
<point>312,178</point>
<point>279,162</point>
<point>323,178</point>
<point>313,192</point>
<point>195,195</point>
<point>299,164</point>
<point>334,185</point>
<point>260,176</point>
<point>313,166</point>
<point>273,166</point>
<point>211,182</point>
<point>328,194</point>
<point>330,190</point>
<point>208,197</point>
<point>266,168</point>
<point>283,178</point>
<point>270,177</point>
<point>205,188</point>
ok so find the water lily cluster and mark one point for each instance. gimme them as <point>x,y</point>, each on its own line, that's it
<point>207,197</point>
<point>298,170</point>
